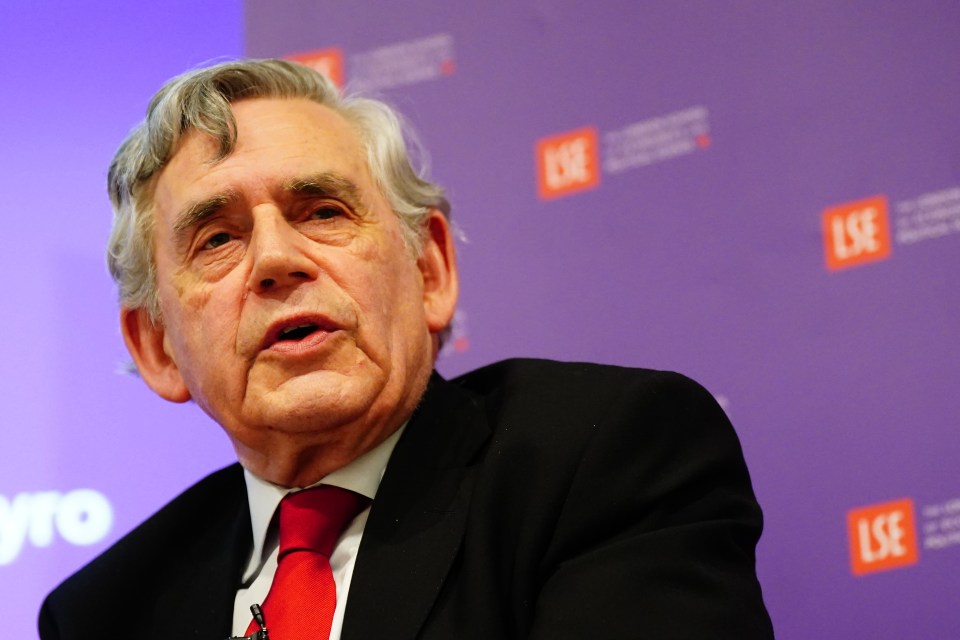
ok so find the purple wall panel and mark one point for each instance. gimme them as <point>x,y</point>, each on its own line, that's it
<point>840,382</point>
<point>75,77</point>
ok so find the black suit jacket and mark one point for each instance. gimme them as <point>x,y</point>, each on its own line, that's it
<point>528,499</point>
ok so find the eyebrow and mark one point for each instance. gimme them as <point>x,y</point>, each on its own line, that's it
<point>200,211</point>
<point>324,185</point>
<point>327,185</point>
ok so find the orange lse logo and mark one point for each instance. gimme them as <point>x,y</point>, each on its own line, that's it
<point>567,163</point>
<point>882,536</point>
<point>329,62</point>
<point>856,232</point>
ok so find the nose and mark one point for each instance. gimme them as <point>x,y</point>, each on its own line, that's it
<point>280,254</point>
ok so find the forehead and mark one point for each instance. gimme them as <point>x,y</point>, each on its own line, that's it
<point>277,140</point>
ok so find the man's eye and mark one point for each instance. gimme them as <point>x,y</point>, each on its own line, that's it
<point>217,240</point>
<point>326,213</point>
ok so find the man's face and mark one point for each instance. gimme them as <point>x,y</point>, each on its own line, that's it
<point>292,311</point>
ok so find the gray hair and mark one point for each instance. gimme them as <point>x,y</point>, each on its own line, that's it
<point>200,100</point>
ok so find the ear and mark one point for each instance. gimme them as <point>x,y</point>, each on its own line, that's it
<point>146,344</point>
<point>438,267</point>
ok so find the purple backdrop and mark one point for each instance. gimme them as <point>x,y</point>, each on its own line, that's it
<point>88,453</point>
<point>765,197</point>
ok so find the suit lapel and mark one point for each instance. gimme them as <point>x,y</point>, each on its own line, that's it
<point>199,603</point>
<point>417,520</point>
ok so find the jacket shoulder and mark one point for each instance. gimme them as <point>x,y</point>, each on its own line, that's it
<point>611,480</point>
<point>585,388</point>
<point>553,414</point>
<point>130,568</point>
<point>537,372</point>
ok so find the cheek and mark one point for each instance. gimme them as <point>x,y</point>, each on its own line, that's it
<point>200,322</point>
<point>389,276</point>
<point>400,300</point>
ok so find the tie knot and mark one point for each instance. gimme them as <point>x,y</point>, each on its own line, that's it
<point>313,519</point>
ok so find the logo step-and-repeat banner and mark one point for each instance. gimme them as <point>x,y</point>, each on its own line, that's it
<point>764,196</point>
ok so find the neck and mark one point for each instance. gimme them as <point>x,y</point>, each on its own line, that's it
<point>301,459</point>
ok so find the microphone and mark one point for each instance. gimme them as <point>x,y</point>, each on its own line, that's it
<point>258,618</point>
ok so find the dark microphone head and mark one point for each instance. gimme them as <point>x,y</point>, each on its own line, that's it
<point>257,614</point>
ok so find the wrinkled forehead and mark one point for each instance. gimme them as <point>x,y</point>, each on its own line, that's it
<point>260,120</point>
<point>276,138</point>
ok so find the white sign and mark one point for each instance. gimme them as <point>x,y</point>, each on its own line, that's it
<point>80,517</point>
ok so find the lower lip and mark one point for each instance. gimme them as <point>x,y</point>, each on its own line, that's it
<point>298,347</point>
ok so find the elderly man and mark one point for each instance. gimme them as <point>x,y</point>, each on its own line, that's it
<point>281,264</point>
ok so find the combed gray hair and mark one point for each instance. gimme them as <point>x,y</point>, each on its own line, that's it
<point>200,100</point>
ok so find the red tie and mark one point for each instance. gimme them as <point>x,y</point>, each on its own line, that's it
<point>303,596</point>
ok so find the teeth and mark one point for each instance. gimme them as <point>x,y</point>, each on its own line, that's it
<point>300,326</point>
<point>298,332</point>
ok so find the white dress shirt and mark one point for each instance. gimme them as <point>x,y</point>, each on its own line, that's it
<point>361,476</point>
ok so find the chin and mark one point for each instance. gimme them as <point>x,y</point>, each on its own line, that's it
<point>305,415</point>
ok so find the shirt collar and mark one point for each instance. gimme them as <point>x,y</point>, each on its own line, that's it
<point>361,476</point>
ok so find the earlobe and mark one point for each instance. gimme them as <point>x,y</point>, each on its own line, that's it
<point>438,267</point>
<point>145,342</point>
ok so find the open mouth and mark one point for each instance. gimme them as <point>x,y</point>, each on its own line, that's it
<point>297,334</point>
<point>293,334</point>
